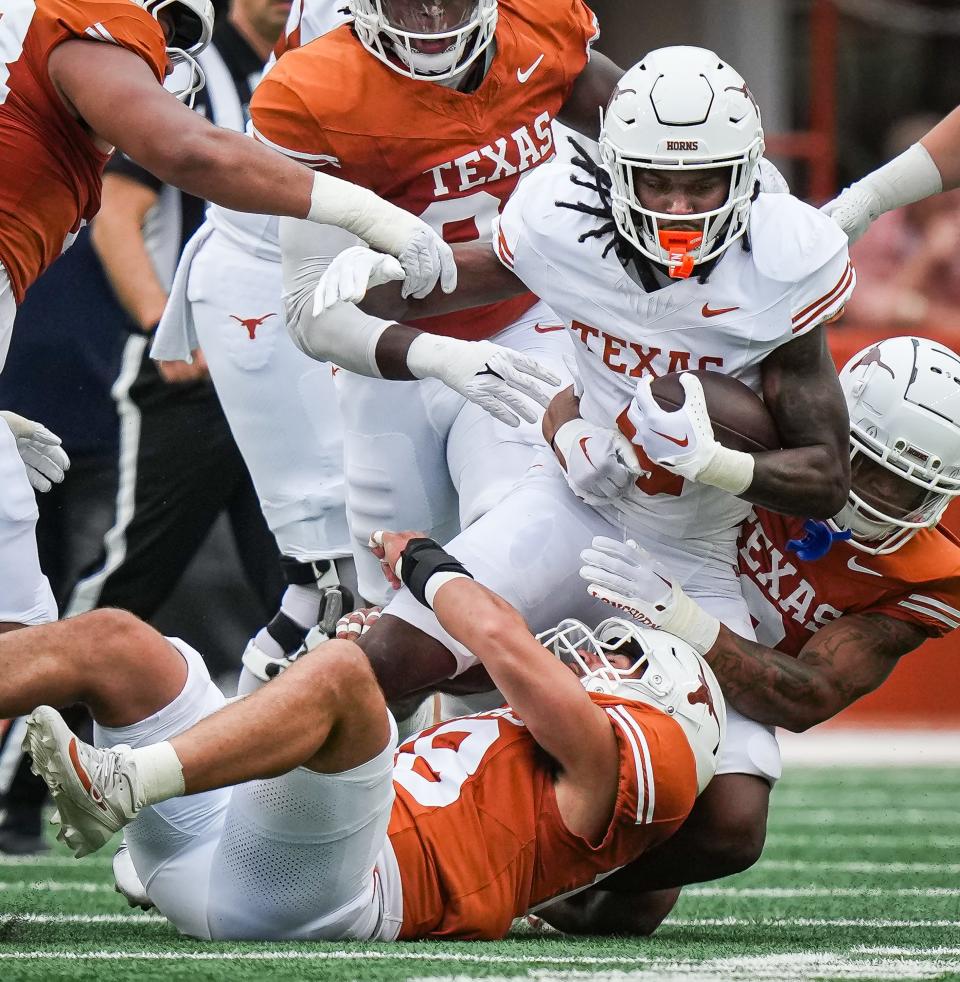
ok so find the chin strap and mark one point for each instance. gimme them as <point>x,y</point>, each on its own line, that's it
<point>679,245</point>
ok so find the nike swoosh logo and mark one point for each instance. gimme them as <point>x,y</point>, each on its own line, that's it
<point>549,328</point>
<point>583,448</point>
<point>673,439</point>
<point>522,76</point>
<point>709,311</point>
<point>854,564</point>
<point>83,776</point>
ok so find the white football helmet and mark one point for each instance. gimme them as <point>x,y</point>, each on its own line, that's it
<point>681,108</point>
<point>192,30</point>
<point>666,673</point>
<point>461,30</point>
<point>903,396</point>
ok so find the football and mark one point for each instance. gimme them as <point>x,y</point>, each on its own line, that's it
<point>740,419</point>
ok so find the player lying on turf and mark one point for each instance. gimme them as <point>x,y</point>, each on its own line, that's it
<point>300,822</point>
<point>664,255</point>
<point>829,630</point>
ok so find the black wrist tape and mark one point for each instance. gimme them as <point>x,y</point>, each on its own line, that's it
<point>421,559</point>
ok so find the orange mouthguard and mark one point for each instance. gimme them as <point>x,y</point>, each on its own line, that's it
<point>679,245</point>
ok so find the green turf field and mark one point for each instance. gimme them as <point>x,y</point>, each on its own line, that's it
<point>860,880</point>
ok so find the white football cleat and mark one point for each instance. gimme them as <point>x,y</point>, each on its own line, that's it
<point>96,791</point>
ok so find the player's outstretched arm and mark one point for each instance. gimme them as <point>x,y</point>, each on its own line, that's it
<point>116,95</point>
<point>543,692</point>
<point>843,661</point>
<point>926,168</point>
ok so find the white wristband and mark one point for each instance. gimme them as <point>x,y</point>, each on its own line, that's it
<point>383,226</point>
<point>729,470</point>
<point>159,773</point>
<point>689,621</point>
<point>428,354</point>
<point>910,177</point>
<point>438,580</point>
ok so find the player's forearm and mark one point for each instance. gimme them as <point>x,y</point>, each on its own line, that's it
<point>943,145</point>
<point>768,686</point>
<point>118,240</point>
<point>812,482</point>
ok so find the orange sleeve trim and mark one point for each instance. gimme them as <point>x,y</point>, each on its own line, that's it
<point>811,312</point>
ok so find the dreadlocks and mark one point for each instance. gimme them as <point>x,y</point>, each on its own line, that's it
<point>600,184</point>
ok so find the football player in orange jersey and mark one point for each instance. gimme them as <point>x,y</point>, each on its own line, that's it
<point>301,823</point>
<point>830,625</point>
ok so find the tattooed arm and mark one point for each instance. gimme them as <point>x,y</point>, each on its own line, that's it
<point>842,662</point>
<point>811,475</point>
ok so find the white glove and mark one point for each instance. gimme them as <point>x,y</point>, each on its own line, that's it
<point>355,624</point>
<point>599,463</point>
<point>910,177</point>
<point>45,460</point>
<point>425,259</point>
<point>682,441</point>
<point>423,254</point>
<point>351,274</point>
<point>493,377</point>
<point>630,579</point>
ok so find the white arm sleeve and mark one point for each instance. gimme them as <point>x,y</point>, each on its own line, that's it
<point>344,334</point>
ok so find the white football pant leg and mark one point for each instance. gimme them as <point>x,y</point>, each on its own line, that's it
<point>25,594</point>
<point>526,549</point>
<point>280,404</point>
<point>172,843</point>
<point>394,459</point>
<point>300,857</point>
<point>486,458</point>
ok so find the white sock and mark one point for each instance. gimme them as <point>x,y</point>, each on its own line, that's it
<point>159,773</point>
<point>301,603</point>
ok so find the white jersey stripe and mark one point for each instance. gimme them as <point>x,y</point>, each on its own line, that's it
<point>647,763</point>
<point>821,310</point>
<point>921,598</point>
<point>641,774</point>
<point>952,624</point>
<point>310,158</point>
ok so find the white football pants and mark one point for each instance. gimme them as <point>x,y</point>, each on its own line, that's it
<point>280,404</point>
<point>25,594</point>
<point>420,457</point>
<point>304,856</point>
<point>527,549</point>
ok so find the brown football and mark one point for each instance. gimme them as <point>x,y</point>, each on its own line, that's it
<point>741,420</point>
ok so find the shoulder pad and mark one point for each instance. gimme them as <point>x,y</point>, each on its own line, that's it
<point>539,193</point>
<point>791,240</point>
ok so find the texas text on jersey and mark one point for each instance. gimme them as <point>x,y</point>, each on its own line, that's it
<point>795,275</point>
<point>449,156</point>
<point>51,169</point>
<point>790,599</point>
<point>475,827</point>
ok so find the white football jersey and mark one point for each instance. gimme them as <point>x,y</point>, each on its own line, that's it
<point>258,234</point>
<point>794,275</point>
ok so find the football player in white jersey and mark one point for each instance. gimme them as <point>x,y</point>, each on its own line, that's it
<point>666,256</point>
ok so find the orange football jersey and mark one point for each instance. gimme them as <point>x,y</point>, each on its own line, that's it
<point>451,157</point>
<point>50,169</point>
<point>476,829</point>
<point>790,599</point>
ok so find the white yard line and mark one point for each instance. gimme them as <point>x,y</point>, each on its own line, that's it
<point>799,865</point>
<point>785,893</point>
<point>57,886</point>
<point>915,839</point>
<point>836,747</point>
<point>55,862</point>
<point>845,799</point>
<point>892,818</point>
